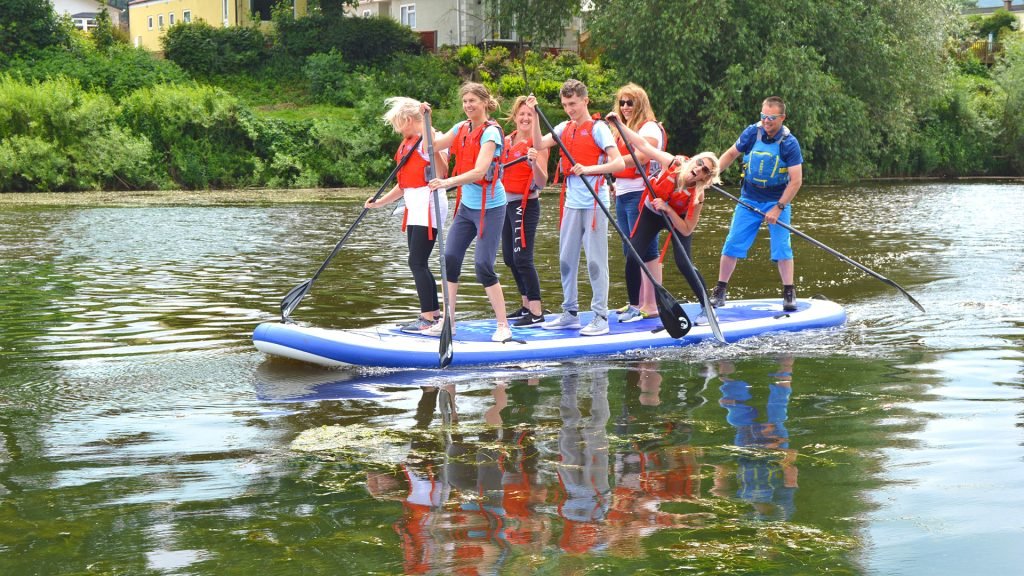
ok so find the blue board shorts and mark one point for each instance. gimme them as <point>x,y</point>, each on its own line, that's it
<point>744,228</point>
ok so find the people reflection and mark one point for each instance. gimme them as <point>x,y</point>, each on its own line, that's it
<point>583,470</point>
<point>766,471</point>
<point>419,485</point>
<point>659,466</point>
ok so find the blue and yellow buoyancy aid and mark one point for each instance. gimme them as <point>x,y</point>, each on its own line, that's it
<point>763,167</point>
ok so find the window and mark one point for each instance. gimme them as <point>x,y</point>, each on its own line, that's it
<point>138,41</point>
<point>408,15</point>
<point>149,22</point>
<point>170,18</point>
<point>160,21</point>
<point>224,12</point>
<point>262,8</point>
<point>186,16</point>
<point>366,13</point>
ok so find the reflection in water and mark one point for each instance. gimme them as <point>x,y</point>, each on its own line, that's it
<point>766,471</point>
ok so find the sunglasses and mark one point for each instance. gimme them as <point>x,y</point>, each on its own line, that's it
<point>770,117</point>
<point>625,103</point>
<point>703,168</point>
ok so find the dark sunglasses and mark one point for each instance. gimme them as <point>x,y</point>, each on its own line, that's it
<point>625,103</point>
<point>703,168</point>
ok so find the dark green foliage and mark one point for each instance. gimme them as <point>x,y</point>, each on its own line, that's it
<point>202,136</point>
<point>118,71</point>
<point>29,24</point>
<point>204,50</point>
<point>361,41</point>
<point>999,22</point>
<point>424,77</point>
<point>331,81</point>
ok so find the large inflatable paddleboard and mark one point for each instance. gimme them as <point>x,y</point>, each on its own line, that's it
<point>387,346</point>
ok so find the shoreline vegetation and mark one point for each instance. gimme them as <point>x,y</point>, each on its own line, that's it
<point>238,108</point>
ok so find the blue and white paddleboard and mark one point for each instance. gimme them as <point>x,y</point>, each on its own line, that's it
<point>387,346</point>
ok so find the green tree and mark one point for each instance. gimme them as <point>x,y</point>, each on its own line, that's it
<point>853,73</point>
<point>1009,74</point>
<point>537,22</point>
<point>27,25</point>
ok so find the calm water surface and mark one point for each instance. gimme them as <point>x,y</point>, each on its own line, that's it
<point>142,433</point>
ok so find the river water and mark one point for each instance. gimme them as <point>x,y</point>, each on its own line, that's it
<point>143,434</point>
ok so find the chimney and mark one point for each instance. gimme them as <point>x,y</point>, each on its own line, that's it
<point>1006,4</point>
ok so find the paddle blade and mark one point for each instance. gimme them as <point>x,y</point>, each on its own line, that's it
<point>445,352</point>
<point>292,299</point>
<point>672,315</point>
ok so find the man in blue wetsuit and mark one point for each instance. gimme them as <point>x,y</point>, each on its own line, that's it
<point>772,175</point>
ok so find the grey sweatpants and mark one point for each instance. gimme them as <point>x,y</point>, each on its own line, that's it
<point>581,231</point>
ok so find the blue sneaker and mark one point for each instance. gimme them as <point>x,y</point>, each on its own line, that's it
<point>418,325</point>
<point>633,314</point>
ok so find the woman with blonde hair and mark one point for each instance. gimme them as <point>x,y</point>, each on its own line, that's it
<point>523,182</point>
<point>405,118</point>
<point>633,106</point>
<point>477,143</point>
<point>678,192</point>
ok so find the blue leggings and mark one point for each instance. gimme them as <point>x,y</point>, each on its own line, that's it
<point>465,227</point>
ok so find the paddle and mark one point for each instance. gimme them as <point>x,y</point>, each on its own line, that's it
<point>294,296</point>
<point>702,295</point>
<point>445,350</point>
<point>831,251</point>
<point>672,315</point>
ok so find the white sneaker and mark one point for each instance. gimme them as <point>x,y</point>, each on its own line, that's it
<point>565,321</point>
<point>436,329</point>
<point>597,326</point>
<point>502,334</point>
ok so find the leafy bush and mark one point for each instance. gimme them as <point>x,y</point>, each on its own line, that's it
<point>362,41</point>
<point>1009,75</point>
<point>59,137</point>
<point>331,81</point>
<point>202,135</point>
<point>118,71</point>
<point>205,50</point>
<point>423,77</point>
<point>27,25</point>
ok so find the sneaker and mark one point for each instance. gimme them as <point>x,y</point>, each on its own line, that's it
<point>567,320</point>
<point>789,298</point>
<point>633,314</point>
<point>597,326</point>
<point>718,294</point>
<point>529,321</point>
<point>624,309</point>
<point>523,311</point>
<point>418,325</point>
<point>436,329</point>
<point>501,334</point>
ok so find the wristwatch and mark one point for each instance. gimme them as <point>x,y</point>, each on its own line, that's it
<point>780,205</point>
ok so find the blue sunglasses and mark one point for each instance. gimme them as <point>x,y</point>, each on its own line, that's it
<point>770,117</point>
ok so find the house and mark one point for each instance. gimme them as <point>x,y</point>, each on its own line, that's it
<point>83,12</point>
<point>987,7</point>
<point>150,19</point>
<point>453,22</point>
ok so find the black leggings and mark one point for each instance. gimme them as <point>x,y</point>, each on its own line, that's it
<point>517,257</point>
<point>420,247</point>
<point>648,225</point>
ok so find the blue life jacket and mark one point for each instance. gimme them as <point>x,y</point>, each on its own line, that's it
<point>763,167</point>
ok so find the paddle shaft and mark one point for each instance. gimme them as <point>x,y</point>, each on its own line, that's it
<point>445,349</point>
<point>831,251</point>
<point>702,294</point>
<point>295,295</point>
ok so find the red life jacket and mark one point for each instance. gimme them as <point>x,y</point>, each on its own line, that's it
<point>413,175</point>
<point>680,201</point>
<point>466,148</point>
<point>518,179</point>
<point>579,140</point>
<point>631,171</point>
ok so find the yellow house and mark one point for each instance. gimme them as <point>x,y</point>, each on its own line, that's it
<point>148,20</point>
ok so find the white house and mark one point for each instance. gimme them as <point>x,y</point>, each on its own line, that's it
<point>83,12</point>
<point>452,22</point>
